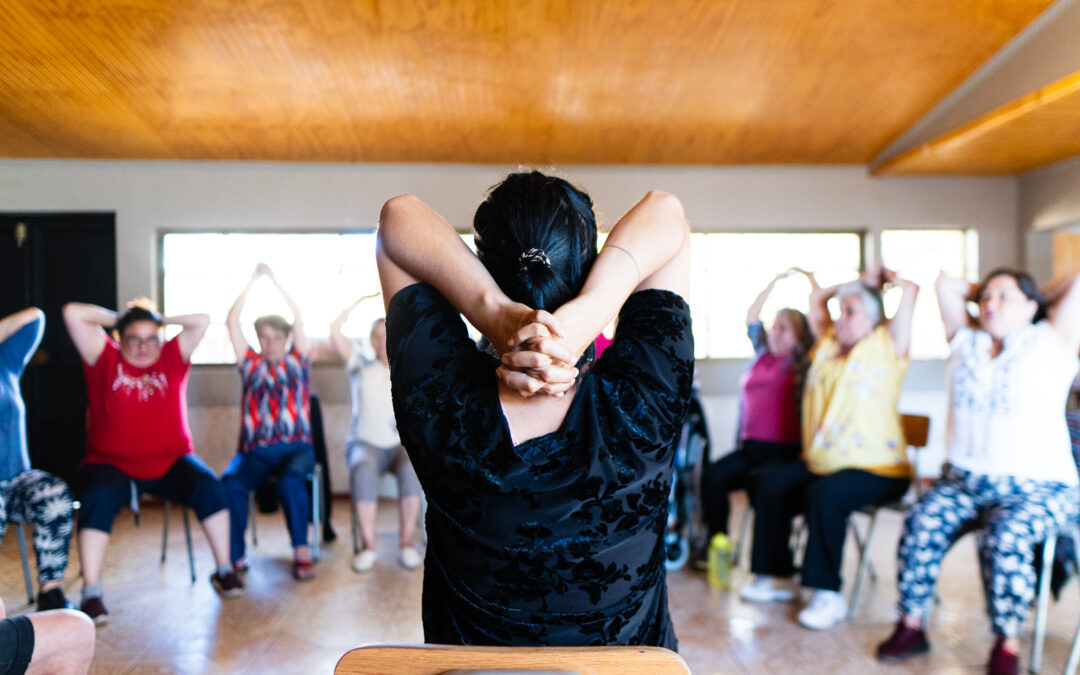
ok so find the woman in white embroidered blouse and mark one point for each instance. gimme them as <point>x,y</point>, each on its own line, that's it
<point>1010,468</point>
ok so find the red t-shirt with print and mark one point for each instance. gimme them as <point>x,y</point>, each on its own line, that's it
<point>138,416</point>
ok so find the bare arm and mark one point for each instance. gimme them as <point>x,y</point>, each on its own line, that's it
<point>819,318</point>
<point>900,324</point>
<point>416,244</point>
<point>952,297</point>
<point>1063,300</point>
<point>86,325</point>
<point>11,323</point>
<point>343,345</point>
<point>753,315</point>
<point>649,248</point>
<point>194,328</point>
<point>299,337</point>
<point>232,319</point>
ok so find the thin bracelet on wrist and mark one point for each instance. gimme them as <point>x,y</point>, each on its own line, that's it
<point>632,259</point>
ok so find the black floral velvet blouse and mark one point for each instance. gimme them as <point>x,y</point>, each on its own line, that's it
<point>557,540</point>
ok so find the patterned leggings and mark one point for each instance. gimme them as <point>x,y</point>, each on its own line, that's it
<point>1013,515</point>
<point>45,501</point>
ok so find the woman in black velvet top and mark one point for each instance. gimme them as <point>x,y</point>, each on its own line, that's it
<point>547,475</point>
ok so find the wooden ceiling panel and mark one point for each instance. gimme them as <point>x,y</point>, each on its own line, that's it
<point>535,81</point>
<point>1031,132</point>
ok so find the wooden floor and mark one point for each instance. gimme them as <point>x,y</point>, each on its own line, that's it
<point>160,622</point>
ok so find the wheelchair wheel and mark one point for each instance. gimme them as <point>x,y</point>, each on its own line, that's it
<point>677,551</point>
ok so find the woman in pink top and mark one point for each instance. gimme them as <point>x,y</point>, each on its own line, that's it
<point>769,430</point>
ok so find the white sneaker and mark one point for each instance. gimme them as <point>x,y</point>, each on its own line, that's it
<point>767,589</point>
<point>826,608</point>
<point>409,558</point>
<point>364,561</point>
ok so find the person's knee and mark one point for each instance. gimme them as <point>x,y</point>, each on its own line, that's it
<point>290,483</point>
<point>208,497</point>
<point>99,506</point>
<point>821,497</point>
<point>63,640</point>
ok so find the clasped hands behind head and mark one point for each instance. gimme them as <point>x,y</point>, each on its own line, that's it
<point>537,358</point>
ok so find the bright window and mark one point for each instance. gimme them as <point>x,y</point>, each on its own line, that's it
<point>920,255</point>
<point>324,273</point>
<point>728,270</point>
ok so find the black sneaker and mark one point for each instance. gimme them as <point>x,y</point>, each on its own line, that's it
<point>53,599</point>
<point>227,585</point>
<point>95,609</point>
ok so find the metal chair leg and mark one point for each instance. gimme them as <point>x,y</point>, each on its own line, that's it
<point>316,509</point>
<point>744,530</point>
<point>164,531</point>
<point>252,512</point>
<point>1043,602</point>
<point>187,538</point>
<point>864,562</point>
<point>1074,653</point>
<point>25,563</point>
<point>355,527</point>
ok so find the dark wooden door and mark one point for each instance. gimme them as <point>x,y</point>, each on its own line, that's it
<point>46,260</point>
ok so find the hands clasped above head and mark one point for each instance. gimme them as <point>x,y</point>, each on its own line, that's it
<point>535,358</point>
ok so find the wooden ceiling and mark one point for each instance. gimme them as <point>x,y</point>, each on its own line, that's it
<point>523,81</point>
<point>1030,132</point>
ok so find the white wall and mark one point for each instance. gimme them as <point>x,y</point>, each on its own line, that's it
<point>151,197</point>
<point>1050,197</point>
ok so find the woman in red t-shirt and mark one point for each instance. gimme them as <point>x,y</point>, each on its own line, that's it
<point>138,436</point>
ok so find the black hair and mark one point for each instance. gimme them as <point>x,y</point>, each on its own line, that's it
<point>137,310</point>
<point>536,235</point>
<point>1024,281</point>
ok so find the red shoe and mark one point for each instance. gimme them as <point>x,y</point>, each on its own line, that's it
<point>1002,662</point>
<point>303,570</point>
<point>228,585</point>
<point>904,642</point>
<point>95,609</point>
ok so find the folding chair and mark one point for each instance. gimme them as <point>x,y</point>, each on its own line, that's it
<point>916,431</point>
<point>316,512</point>
<point>440,659</point>
<point>1043,598</point>
<point>134,505</point>
<point>25,562</point>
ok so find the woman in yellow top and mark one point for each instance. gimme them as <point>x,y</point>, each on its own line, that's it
<point>854,453</point>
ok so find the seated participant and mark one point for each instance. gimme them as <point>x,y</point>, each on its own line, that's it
<point>138,435</point>
<point>59,641</point>
<point>372,446</point>
<point>854,452</point>
<point>768,407</point>
<point>1010,468</point>
<point>35,497</point>
<point>547,491</point>
<point>275,425</point>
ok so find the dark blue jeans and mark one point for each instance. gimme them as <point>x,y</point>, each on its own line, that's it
<point>108,489</point>
<point>292,463</point>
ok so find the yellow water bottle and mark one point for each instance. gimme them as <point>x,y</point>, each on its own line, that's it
<point>720,561</point>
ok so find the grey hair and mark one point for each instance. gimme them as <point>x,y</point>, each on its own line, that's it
<point>870,297</point>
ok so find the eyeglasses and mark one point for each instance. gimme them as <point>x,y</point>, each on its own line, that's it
<point>136,341</point>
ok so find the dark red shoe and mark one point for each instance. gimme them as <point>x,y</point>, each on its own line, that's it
<point>95,609</point>
<point>227,585</point>
<point>904,642</point>
<point>1002,662</point>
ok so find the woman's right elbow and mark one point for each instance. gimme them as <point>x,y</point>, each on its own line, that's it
<point>395,205</point>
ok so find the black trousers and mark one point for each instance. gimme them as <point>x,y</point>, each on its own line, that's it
<point>781,492</point>
<point>738,470</point>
